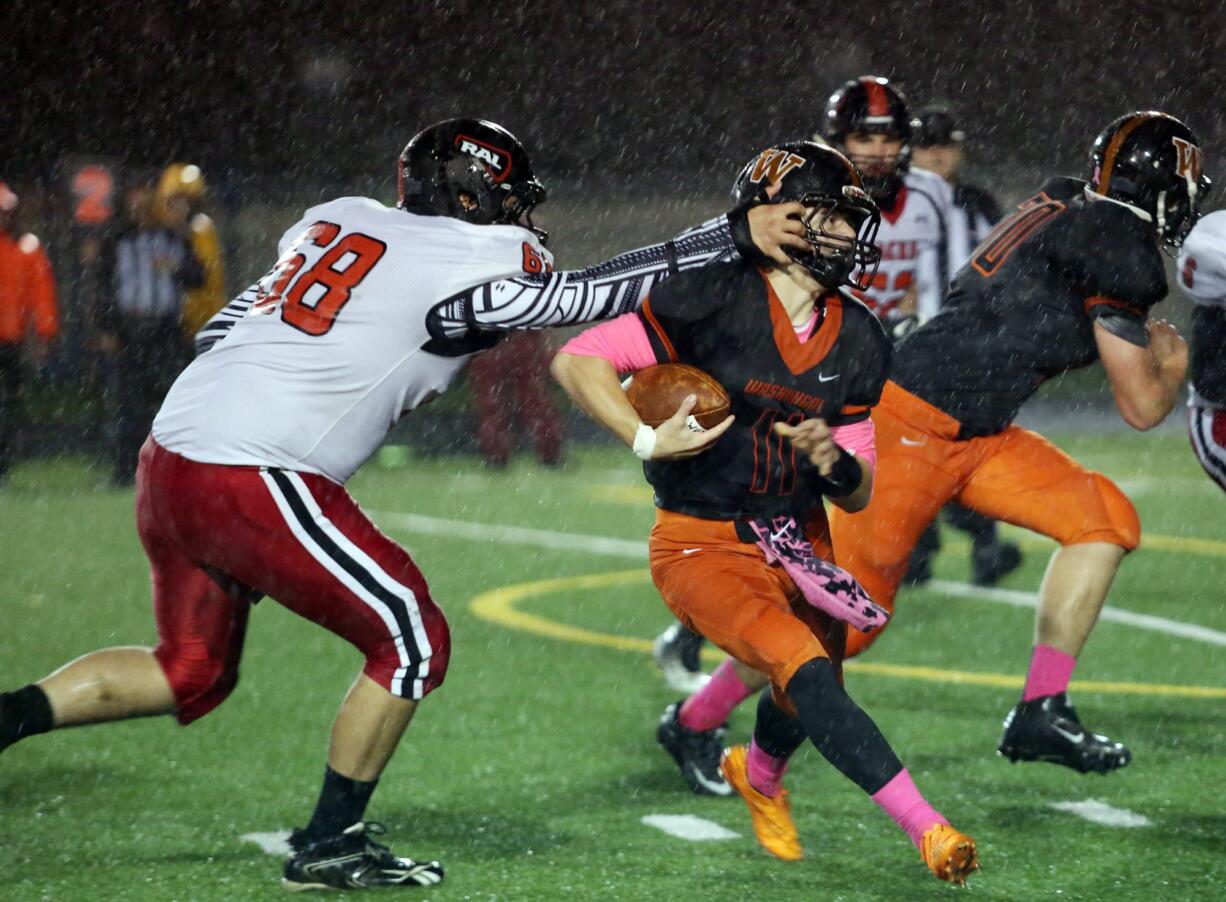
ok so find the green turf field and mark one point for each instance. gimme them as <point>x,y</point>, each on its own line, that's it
<point>529,773</point>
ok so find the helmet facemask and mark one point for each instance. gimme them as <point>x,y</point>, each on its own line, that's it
<point>834,258</point>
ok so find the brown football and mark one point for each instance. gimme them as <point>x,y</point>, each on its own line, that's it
<point>658,391</point>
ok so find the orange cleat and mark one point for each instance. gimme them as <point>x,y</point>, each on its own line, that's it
<point>772,817</point>
<point>949,854</point>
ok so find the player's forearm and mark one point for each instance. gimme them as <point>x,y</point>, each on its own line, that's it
<point>571,298</point>
<point>1151,403</point>
<point>592,383</point>
<point>858,499</point>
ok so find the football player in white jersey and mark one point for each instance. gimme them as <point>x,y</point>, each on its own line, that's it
<point>368,312</point>
<point>922,239</point>
<point>1202,276</point>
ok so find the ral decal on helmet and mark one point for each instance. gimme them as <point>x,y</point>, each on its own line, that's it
<point>1190,159</point>
<point>773,164</point>
<point>497,159</point>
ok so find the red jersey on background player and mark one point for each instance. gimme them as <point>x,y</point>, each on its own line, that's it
<point>368,312</point>
<point>1202,276</point>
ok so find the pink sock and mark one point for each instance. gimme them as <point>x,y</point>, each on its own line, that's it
<point>710,706</point>
<point>902,801</point>
<point>765,771</point>
<point>1050,671</point>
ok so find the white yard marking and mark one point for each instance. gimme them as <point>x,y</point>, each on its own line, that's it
<point>275,843</point>
<point>637,550</point>
<point>687,826</point>
<point>1102,813</point>
<point>1116,615</point>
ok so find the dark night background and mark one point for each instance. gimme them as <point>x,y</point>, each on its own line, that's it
<point>637,116</point>
<point>613,91</point>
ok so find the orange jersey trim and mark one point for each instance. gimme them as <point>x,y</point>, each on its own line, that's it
<point>801,356</point>
<point>659,330</point>
<point>1101,301</point>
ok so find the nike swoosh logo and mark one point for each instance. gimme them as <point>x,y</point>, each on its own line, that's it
<point>690,550</point>
<point>821,378</point>
<point>912,442</point>
<point>1074,738</point>
<point>719,788</point>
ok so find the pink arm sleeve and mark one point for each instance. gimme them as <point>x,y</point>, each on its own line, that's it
<point>859,439</point>
<point>622,341</point>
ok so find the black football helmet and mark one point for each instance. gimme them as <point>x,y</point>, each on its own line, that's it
<point>824,180</point>
<point>474,157</point>
<point>1152,163</point>
<point>935,126</point>
<point>872,105</point>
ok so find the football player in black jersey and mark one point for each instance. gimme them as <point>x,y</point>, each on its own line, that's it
<point>741,549</point>
<point>937,145</point>
<point>1068,279</point>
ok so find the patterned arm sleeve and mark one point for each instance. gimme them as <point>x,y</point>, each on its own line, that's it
<point>224,319</point>
<point>606,290</point>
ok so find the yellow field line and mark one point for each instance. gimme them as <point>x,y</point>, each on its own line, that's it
<point>499,606</point>
<point>640,496</point>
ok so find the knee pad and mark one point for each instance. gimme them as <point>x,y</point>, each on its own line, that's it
<point>1117,521</point>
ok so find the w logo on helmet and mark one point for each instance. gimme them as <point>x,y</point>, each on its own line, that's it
<point>773,164</point>
<point>1190,159</point>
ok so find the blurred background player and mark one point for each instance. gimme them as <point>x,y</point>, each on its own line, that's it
<point>29,315</point>
<point>937,145</point>
<point>1067,279</point>
<point>921,238</point>
<point>181,201</point>
<point>1202,275</point>
<point>368,312</point>
<point>512,391</point>
<point>147,271</point>
<point>740,550</point>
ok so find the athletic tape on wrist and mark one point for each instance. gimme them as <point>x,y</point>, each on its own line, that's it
<point>644,442</point>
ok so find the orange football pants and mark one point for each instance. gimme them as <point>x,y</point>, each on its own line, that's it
<point>723,588</point>
<point>1016,476</point>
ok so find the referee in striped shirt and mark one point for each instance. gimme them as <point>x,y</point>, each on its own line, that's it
<point>147,272</point>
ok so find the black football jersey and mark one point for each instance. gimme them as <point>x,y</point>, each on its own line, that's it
<point>726,320</point>
<point>1023,308</point>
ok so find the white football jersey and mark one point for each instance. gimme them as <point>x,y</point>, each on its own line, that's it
<point>369,312</point>
<point>1202,261</point>
<point>328,354</point>
<point>922,240</point>
<point>1202,276</point>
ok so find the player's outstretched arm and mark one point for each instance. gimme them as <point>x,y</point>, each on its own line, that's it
<point>617,286</point>
<point>849,478</point>
<point>593,384</point>
<point>1144,380</point>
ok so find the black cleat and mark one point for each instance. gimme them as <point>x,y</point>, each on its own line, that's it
<point>676,652</point>
<point>352,860</point>
<point>697,753</point>
<point>993,562</point>
<point>1048,729</point>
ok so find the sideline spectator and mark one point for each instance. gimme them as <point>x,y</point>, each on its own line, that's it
<point>27,304</point>
<point>181,199</point>
<point>148,269</point>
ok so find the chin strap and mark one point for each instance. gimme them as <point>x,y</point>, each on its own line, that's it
<point>1093,195</point>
